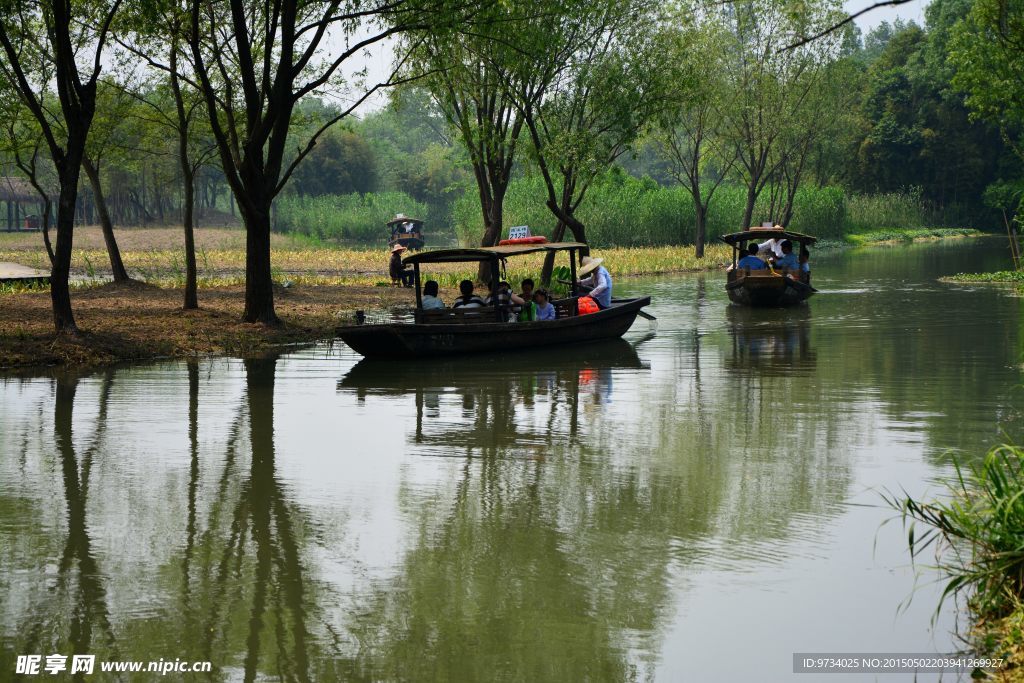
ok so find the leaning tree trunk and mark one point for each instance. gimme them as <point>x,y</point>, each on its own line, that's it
<point>259,282</point>
<point>116,264</point>
<point>566,219</point>
<point>47,207</point>
<point>748,211</point>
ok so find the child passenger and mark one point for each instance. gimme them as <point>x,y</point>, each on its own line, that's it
<point>528,311</point>
<point>545,311</point>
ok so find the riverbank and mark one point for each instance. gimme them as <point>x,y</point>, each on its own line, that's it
<point>318,286</point>
<point>903,235</point>
<point>977,536</point>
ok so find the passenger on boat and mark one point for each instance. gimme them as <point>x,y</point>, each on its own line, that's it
<point>399,273</point>
<point>545,311</point>
<point>751,260</point>
<point>773,247</point>
<point>468,298</point>
<point>788,259</point>
<point>597,280</point>
<point>505,299</point>
<point>528,311</point>
<point>805,266</point>
<point>430,299</point>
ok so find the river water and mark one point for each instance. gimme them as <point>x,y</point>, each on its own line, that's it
<point>696,503</point>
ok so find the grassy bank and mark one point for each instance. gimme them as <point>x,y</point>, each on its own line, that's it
<point>1009,277</point>
<point>899,235</point>
<point>318,286</point>
<point>977,536</point>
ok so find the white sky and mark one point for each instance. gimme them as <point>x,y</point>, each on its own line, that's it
<point>378,61</point>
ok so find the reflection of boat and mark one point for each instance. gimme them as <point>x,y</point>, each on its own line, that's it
<point>378,376</point>
<point>465,330</point>
<point>480,403</point>
<point>405,231</point>
<point>771,286</point>
<point>771,342</point>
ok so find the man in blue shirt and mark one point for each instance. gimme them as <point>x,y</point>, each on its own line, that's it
<point>789,259</point>
<point>597,279</point>
<point>751,260</point>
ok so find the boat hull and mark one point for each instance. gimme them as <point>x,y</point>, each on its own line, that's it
<point>768,290</point>
<point>406,339</point>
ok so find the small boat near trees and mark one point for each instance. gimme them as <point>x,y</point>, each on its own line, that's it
<point>772,285</point>
<point>466,330</point>
<point>405,231</point>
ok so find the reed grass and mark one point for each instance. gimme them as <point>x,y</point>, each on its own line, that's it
<point>977,535</point>
<point>355,217</point>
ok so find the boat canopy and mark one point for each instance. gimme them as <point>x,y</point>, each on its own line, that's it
<point>766,234</point>
<point>487,253</point>
<point>404,219</point>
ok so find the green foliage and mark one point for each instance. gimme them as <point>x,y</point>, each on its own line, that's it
<point>352,217</point>
<point>620,210</point>
<point>907,235</point>
<point>1010,276</point>
<point>978,533</point>
<point>341,163</point>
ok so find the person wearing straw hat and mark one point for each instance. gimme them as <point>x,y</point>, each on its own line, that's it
<point>399,273</point>
<point>596,278</point>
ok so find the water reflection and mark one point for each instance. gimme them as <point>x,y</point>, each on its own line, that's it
<point>612,511</point>
<point>771,341</point>
<point>496,396</point>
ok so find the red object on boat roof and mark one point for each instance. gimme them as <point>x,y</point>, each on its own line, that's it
<point>539,239</point>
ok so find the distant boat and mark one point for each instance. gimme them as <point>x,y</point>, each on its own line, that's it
<point>772,286</point>
<point>468,330</point>
<point>405,231</point>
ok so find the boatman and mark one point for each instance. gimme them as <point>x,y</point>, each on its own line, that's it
<point>595,277</point>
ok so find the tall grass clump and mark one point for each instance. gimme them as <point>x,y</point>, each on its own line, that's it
<point>623,211</point>
<point>867,212</point>
<point>978,538</point>
<point>349,217</point>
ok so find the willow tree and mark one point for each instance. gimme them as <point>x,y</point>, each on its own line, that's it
<point>690,137</point>
<point>467,80</point>
<point>601,83</point>
<point>156,32</point>
<point>254,62</point>
<point>771,81</point>
<point>70,36</point>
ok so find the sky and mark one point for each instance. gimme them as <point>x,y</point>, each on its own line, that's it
<point>377,61</point>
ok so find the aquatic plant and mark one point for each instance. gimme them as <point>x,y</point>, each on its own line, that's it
<point>977,535</point>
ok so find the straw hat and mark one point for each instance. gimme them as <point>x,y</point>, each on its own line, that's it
<point>589,265</point>
<point>397,247</point>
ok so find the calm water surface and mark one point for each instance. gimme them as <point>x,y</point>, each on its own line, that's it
<point>695,504</point>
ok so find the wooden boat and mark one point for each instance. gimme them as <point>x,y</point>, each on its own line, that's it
<point>405,231</point>
<point>471,330</point>
<point>771,286</point>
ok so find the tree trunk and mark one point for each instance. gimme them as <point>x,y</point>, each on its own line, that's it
<point>191,276</point>
<point>493,227</point>
<point>60,292</point>
<point>116,265</point>
<point>259,282</point>
<point>188,183</point>
<point>47,207</point>
<point>699,238</point>
<point>748,211</point>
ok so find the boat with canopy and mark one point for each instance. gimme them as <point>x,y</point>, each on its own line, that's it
<point>465,330</point>
<point>772,286</point>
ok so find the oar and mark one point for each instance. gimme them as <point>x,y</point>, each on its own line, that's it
<point>646,315</point>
